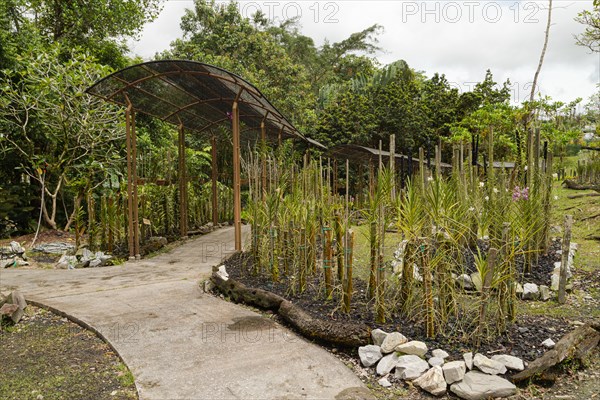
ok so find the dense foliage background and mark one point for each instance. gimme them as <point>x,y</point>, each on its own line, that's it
<point>59,146</point>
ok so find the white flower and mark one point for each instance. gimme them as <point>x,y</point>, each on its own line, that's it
<point>481,184</point>
<point>471,208</point>
<point>495,190</point>
<point>429,178</point>
<point>526,168</point>
<point>487,198</point>
<point>555,175</point>
<point>555,197</point>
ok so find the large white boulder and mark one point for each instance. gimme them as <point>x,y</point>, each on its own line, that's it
<point>369,355</point>
<point>479,386</point>
<point>391,341</point>
<point>432,381</point>
<point>413,347</point>
<point>510,362</point>
<point>378,336</point>
<point>386,364</point>
<point>487,365</point>
<point>454,371</point>
<point>410,367</point>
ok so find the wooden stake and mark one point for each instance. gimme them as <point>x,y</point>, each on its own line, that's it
<point>349,287</point>
<point>485,290</point>
<point>393,165</point>
<point>566,248</point>
<point>339,247</point>
<point>328,262</point>
<point>373,258</point>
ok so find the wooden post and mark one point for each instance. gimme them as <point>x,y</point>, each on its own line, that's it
<point>490,178</point>
<point>371,178</point>
<point>359,189</point>
<point>136,224</point>
<point>427,287</point>
<point>422,167</point>
<point>438,161</point>
<point>214,177</point>
<point>237,200</point>
<point>339,234</point>
<point>263,155</point>
<point>566,248</point>
<point>335,177</point>
<point>328,262</point>
<point>182,185</point>
<point>373,258</point>
<point>380,295</point>
<point>348,289</point>
<point>129,184</point>
<point>393,165</point>
<point>347,191</point>
<point>485,290</point>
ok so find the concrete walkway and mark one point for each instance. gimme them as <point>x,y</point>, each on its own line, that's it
<point>180,343</point>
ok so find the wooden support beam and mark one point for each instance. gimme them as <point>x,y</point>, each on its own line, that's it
<point>183,229</point>
<point>237,200</point>
<point>263,155</point>
<point>335,177</point>
<point>136,222</point>
<point>214,178</point>
<point>129,184</point>
<point>393,165</point>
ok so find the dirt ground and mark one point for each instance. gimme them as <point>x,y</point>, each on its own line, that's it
<point>47,357</point>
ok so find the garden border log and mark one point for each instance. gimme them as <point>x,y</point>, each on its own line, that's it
<point>332,332</point>
<point>571,184</point>
<point>577,343</point>
<point>240,293</point>
<point>338,333</point>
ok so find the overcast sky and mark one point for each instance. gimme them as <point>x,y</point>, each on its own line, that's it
<point>458,38</point>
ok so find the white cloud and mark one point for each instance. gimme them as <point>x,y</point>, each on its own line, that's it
<point>459,38</point>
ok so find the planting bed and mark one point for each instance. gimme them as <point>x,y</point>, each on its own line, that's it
<point>522,339</point>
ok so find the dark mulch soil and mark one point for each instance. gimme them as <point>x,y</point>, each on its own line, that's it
<point>540,273</point>
<point>47,357</point>
<point>522,339</point>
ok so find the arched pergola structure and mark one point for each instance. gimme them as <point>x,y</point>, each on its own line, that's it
<point>196,97</point>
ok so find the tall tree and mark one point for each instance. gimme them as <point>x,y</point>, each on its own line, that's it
<point>591,36</point>
<point>59,135</point>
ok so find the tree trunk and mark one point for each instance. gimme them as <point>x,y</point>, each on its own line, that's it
<point>546,37</point>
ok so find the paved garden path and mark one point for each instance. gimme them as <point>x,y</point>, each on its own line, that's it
<point>181,343</point>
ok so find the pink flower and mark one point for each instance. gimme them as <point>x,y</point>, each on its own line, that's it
<point>520,194</point>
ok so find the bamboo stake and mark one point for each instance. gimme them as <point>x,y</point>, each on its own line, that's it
<point>428,287</point>
<point>566,248</point>
<point>348,287</point>
<point>422,167</point>
<point>327,262</point>
<point>380,300</point>
<point>393,165</point>
<point>339,247</point>
<point>373,258</point>
<point>485,290</point>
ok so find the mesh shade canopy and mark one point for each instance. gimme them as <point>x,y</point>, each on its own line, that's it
<point>193,94</point>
